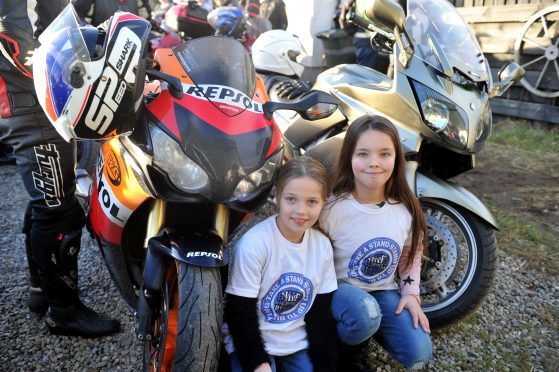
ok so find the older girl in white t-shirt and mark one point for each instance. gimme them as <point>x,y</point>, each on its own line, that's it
<point>376,226</point>
<point>282,279</point>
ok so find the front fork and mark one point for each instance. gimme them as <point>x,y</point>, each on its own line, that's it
<point>157,258</point>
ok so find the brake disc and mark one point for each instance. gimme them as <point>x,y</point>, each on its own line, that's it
<point>440,271</point>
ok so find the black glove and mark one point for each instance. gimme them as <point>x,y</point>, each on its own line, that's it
<point>291,89</point>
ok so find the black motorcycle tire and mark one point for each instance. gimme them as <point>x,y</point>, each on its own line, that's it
<point>475,260</point>
<point>195,292</point>
<point>87,154</point>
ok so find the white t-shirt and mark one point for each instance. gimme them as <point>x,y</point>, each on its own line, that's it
<point>367,240</point>
<point>285,277</point>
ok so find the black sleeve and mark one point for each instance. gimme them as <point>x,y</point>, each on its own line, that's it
<point>82,7</point>
<point>242,319</point>
<point>321,333</point>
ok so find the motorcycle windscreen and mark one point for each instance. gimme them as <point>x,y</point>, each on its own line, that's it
<point>437,22</point>
<point>219,61</point>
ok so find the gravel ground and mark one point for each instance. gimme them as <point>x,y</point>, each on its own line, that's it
<point>517,328</point>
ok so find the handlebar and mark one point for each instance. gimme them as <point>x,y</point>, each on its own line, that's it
<point>370,26</point>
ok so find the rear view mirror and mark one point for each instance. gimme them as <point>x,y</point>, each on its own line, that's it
<point>388,12</point>
<point>509,74</point>
<point>511,70</point>
<point>313,105</point>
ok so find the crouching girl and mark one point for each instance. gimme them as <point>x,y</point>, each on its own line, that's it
<point>377,227</point>
<point>282,279</point>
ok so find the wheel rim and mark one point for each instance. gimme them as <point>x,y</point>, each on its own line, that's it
<point>538,46</point>
<point>451,261</point>
<point>160,351</point>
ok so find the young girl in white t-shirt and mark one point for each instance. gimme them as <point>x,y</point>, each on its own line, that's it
<point>376,226</point>
<point>282,279</point>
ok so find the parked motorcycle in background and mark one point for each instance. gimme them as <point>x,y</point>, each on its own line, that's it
<point>439,99</point>
<point>201,151</point>
<point>231,21</point>
<point>188,19</point>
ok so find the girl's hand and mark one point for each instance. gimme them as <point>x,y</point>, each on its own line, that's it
<point>264,367</point>
<point>410,302</point>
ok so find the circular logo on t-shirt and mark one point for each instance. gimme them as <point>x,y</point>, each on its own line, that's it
<point>374,261</point>
<point>287,299</point>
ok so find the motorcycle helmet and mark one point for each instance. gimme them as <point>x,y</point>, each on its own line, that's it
<point>278,51</point>
<point>228,21</point>
<point>188,19</point>
<point>89,81</point>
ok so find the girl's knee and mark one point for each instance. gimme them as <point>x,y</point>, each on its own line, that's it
<point>419,356</point>
<point>358,318</point>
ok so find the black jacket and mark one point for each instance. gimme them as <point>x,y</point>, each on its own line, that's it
<point>101,10</point>
<point>20,25</point>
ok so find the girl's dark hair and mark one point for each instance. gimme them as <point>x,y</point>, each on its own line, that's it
<point>396,187</point>
<point>303,166</point>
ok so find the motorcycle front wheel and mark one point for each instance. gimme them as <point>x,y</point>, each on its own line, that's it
<point>187,334</point>
<point>459,264</point>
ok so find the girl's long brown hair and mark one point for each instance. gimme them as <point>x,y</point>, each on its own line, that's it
<point>303,166</point>
<point>396,187</point>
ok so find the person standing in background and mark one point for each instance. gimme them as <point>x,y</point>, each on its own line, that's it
<point>54,218</point>
<point>96,12</point>
<point>274,11</point>
<point>306,19</point>
<point>365,55</point>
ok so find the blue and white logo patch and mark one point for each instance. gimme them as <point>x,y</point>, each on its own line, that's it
<point>287,299</point>
<point>374,261</point>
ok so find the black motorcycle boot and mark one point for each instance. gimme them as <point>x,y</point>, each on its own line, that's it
<point>37,301</point>
<point>67,315</point>
<point>79,320</point>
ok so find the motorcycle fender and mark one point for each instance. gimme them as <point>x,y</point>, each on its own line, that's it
<point>194,247</point>
<point>436,188</point>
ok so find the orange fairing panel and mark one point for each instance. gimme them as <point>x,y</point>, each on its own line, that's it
<point>169,64</point>
<point>116,193</point>
<point>260,94</point>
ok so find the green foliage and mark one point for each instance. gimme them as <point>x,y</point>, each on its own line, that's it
<point>526,136</point>
<point>516,233</point>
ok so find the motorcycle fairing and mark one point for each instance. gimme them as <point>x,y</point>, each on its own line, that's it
<point>208,138</point>
<point>116,193</point>
<point>436,188</point>
<point>246,117</point>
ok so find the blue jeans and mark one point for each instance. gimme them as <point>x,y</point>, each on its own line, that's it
<point>360,315</point>
<point>296,362</point>
<point>365,55</point>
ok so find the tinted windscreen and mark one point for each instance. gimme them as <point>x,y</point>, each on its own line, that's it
<point>220,61</point>
<point>439,21</point>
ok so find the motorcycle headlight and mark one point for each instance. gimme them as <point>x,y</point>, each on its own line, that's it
<point>184,173</point>
<point>254,182</point>
<point>442,116</point>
